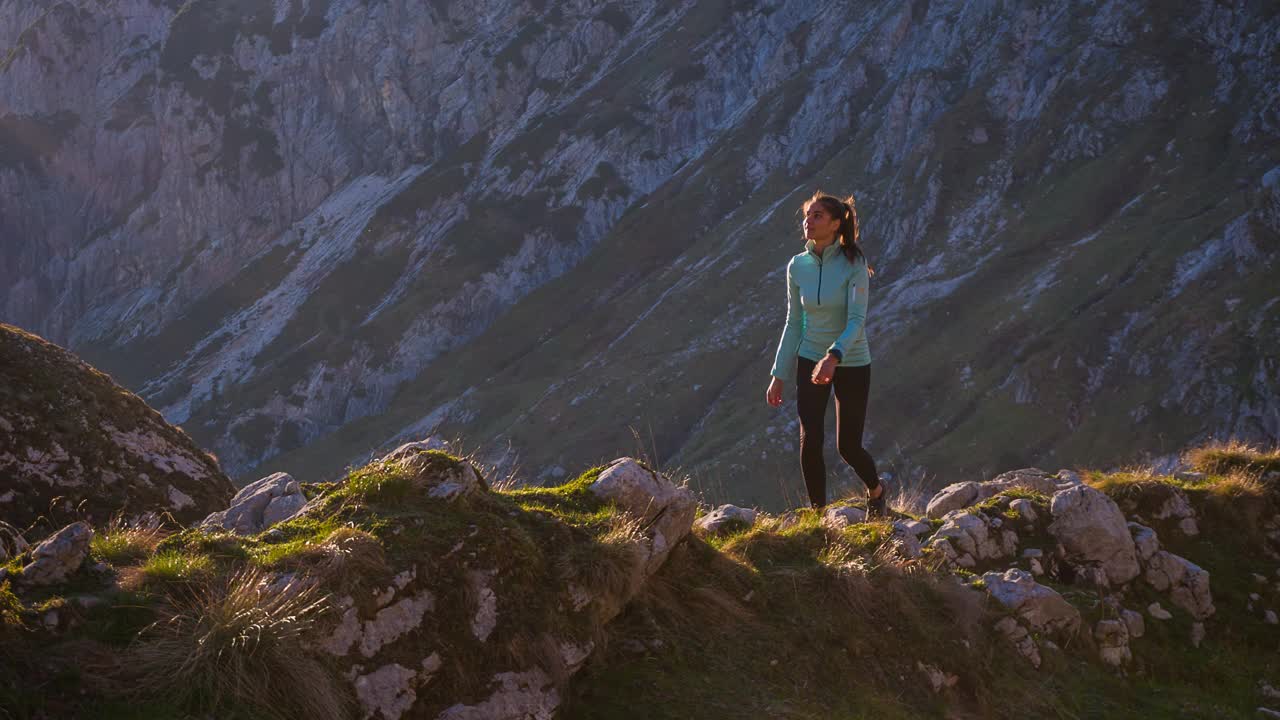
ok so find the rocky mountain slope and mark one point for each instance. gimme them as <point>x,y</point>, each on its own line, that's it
<point>307,229</point>
<point>73,444</point>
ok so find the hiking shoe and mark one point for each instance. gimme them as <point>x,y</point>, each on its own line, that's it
<point>876,507</point>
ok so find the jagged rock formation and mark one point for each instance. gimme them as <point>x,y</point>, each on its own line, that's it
<point>311,231</point>
<point>75,444</point>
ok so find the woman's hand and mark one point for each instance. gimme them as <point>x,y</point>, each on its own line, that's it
<point>774,394</point>
<point>824,370</point>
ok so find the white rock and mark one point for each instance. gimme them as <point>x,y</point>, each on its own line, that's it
<point>1093,533</point>
<point>1144,540</point>
<point>1025,509</point>
<point>844,516</point>
<point>1021,640</point>
<point>1113,642</point>
<point>726,518</point>
<point>952,497</point>
<point>256,502</point>
<point>1157,612</point>
<point>912,527</point>
<point>387,691</point>
<point>1270,617</point>
<point>1187,583</point>
<point>53,560</point>
<point>1041,606</point>
<point>1197,634</point>
<point>664,508</point>
<point>528,695</point>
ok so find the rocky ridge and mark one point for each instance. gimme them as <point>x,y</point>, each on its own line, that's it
<point>427,590</point>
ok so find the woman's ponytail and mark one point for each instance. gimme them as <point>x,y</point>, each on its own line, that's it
<point>849,231</point>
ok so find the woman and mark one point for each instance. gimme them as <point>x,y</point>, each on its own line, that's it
<point>824,345</point>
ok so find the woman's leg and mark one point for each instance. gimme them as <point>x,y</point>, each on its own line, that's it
<point>853,386</point>
<point>811,403</point>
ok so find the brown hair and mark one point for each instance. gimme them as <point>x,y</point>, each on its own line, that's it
<point>847,212</point>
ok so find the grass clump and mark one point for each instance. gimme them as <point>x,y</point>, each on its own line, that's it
<point>238,644</point>
<point>1220,458</point>
<point>11,609</point>
<point>171,567</point>
<point>121,544</point>
<point>221,545</point>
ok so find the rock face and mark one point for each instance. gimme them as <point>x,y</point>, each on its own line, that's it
<point>275,252</point>
<point>67,431</point>
<point>1094,534</point>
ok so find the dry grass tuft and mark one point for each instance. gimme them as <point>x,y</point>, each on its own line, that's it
<point>238,644</point>
<point>1219,458</point>
<point>123,543</point>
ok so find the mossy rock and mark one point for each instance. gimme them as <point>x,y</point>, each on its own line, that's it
<point>68,431</point>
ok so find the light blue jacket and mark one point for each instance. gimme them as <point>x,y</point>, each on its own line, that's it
<point>826,310</point>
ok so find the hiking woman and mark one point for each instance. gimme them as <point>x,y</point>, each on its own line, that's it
<point>824,345</point>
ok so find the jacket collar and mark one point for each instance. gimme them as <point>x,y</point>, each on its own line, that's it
<point>829,252</point>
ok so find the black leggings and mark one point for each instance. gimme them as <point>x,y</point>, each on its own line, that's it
<point>852,385</point>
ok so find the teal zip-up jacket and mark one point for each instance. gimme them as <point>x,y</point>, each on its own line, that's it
<point>826,310</point>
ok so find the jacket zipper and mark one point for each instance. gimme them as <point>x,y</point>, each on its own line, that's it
<point>820,281</point>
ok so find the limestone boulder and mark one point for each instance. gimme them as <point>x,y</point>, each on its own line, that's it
<point>260,504</point>
<point>664,509</point>
<point>843,516</point>
<point>725,519</point>
<point>1093,534</point>
<point>60,555</point>
<point>1112,637</point>
<point>1043,609</point>
<point>952,497</point>
<point>1186,583</point>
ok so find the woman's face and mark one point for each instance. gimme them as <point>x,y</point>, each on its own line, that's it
<point>818,223</point>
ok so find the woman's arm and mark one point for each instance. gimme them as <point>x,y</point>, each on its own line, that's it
<point>856,312</point>
<point>784,362</point>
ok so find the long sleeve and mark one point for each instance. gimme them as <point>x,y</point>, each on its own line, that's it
<point>856,312</point>
<point>784,363</point>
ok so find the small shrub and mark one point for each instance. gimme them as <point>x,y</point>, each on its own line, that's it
<point>238,644</point>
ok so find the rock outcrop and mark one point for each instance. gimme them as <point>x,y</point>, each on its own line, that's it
<point>1094,535</point>
<point>75,444</point>
<point>60,555</point>
<point>260,504</point>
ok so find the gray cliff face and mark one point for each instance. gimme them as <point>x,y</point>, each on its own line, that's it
<point>312,228</point>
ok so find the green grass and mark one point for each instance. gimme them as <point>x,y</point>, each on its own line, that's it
<point>176,568</point>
